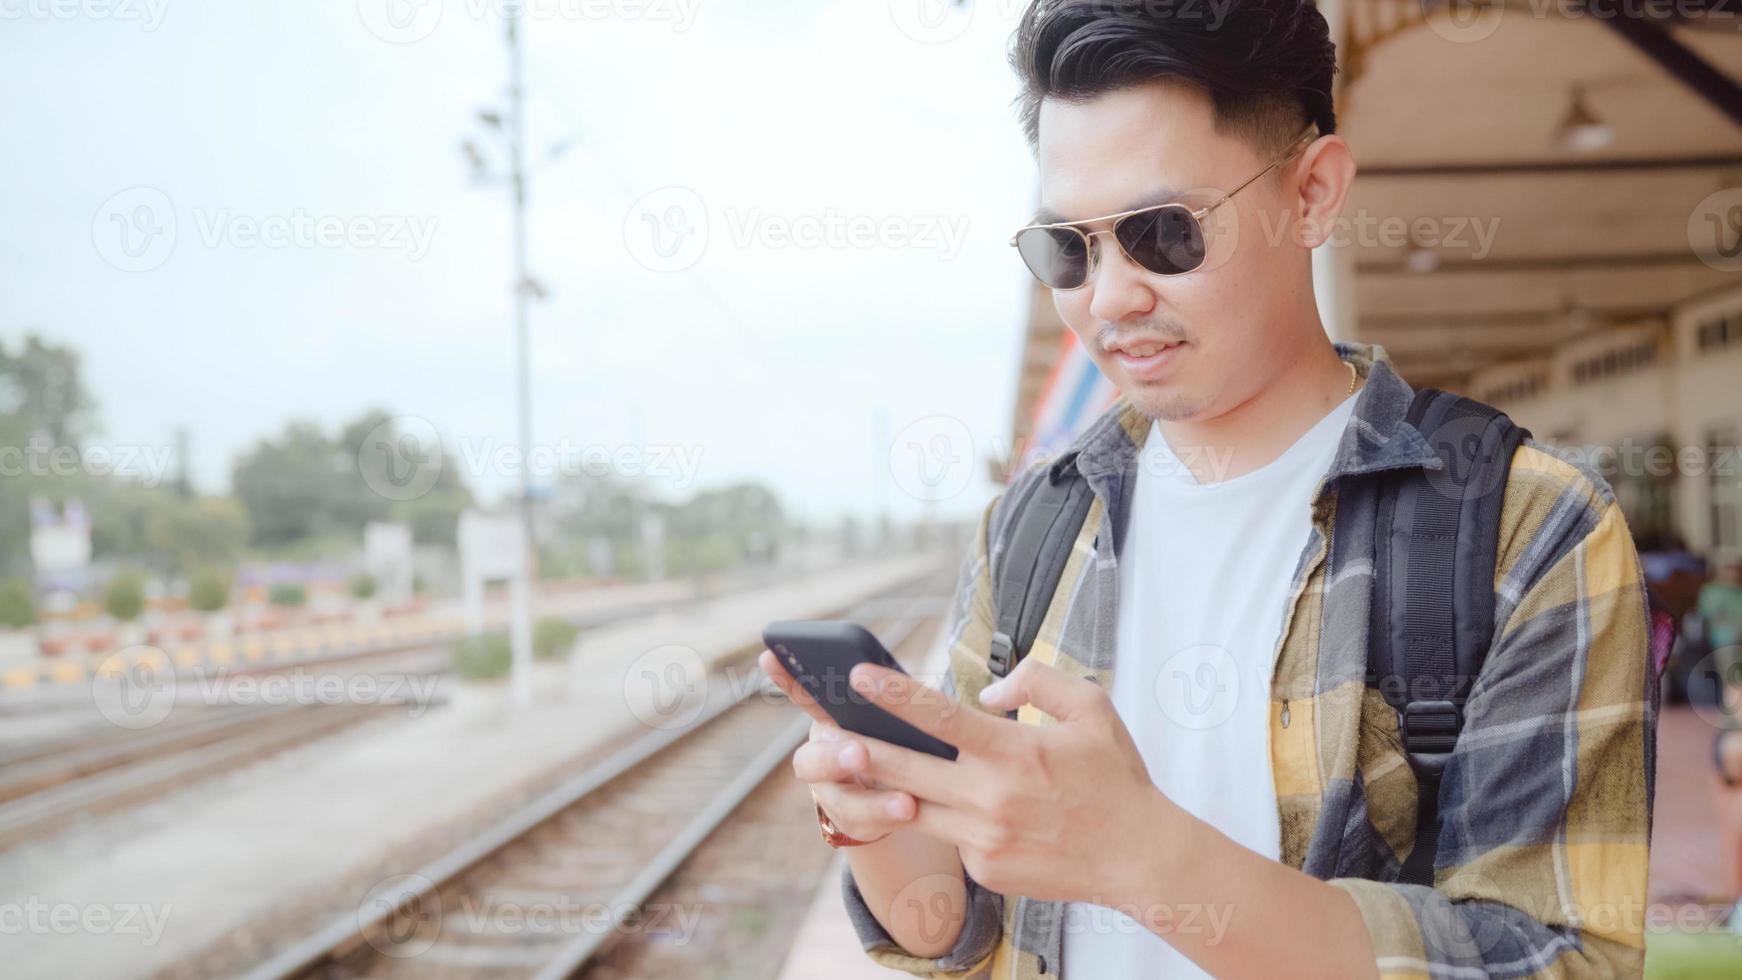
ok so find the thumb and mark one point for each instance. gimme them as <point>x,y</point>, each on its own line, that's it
<point>1046,687</point>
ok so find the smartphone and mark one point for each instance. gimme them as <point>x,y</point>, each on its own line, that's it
<point>820,654</point>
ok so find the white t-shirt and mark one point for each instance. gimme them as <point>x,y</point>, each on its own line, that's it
<point>1203,585</point>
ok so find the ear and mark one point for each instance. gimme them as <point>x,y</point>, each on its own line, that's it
<point>1326,171</point>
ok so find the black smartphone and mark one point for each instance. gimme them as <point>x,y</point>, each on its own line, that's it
<point>820,654</point>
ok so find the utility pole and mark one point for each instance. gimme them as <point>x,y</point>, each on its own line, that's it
<point>522,275</point>
<point>510,125</point>
<point>520,591</point>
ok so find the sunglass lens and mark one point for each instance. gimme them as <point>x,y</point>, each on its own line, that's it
<point>1058,257</point>
<point>1166,241</point>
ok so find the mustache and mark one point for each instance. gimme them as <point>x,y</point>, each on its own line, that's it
<point>1108,335</point>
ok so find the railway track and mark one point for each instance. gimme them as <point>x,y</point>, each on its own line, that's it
<point>567,879</point>
<point>44,786</point>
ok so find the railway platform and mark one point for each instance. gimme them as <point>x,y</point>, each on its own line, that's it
<point>256,848</point>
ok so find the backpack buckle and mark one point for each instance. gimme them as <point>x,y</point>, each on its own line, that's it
<point>1062,469</point>
<point>999,658</point>
<point>1430,731</point>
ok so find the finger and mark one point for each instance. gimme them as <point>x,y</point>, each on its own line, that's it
<point>948,824</point>
<point>853,806</point>
<point>927,709</point>
<point>1046,687</point>
<point>828,762</point>
<point>927,777</point>
<point>794,691</point>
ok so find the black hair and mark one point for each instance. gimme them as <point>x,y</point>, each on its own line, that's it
<point>1265,64</point>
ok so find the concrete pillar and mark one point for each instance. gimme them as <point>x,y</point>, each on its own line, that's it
<point>1334,267</point>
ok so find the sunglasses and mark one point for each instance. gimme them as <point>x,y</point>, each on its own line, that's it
<point>1164,239</point>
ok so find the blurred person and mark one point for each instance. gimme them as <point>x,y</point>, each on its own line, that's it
<point>1198,781</point>
<point>1720,607</point>
<point>1720,612</point>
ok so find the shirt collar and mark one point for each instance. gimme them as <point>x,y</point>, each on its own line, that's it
<point>1377,438</point>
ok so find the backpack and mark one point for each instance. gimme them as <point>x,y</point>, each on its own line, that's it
<point>1433,580</point>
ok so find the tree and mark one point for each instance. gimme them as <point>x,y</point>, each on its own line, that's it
<point>209,590</point>
<point>157,528</point>
<point>724,527</point>
<point>305,485</point>
<point>41,387</point>
<point>44,405</point>
<point>295,487</point>
<point>362,585</point>
<point>125,596</point>
<point>712,531</point>
<point>17,604</point>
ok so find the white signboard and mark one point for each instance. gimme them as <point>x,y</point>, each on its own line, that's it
<point>493,546</point>
<point>60,543</point>
<point>387,556</point>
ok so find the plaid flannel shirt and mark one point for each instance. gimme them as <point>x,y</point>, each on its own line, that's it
<point>1546,802</point>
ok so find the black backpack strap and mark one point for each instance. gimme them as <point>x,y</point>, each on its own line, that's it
<point>1048,516</point>
<point>1433,581</point>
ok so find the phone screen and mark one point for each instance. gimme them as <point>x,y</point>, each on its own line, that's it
<point>821,654</point>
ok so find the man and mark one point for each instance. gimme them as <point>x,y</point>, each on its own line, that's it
<point>1198,781</point>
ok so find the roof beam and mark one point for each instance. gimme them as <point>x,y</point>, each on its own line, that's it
<point>1649,37</point>
<point>1519,319</point>
<point>1545,263</point>
<point>1554,168</point>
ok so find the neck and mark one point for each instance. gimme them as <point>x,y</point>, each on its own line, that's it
<point>1258,430</point>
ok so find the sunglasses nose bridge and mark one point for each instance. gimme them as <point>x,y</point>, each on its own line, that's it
<point>1095,250</point>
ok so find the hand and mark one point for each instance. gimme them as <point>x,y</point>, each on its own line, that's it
<point>1060,812</point>
<point>834,764</point>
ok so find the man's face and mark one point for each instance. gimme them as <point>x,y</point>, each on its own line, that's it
<point>1187,347</point>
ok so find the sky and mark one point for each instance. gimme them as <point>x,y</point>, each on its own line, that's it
<point>762,227</point>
